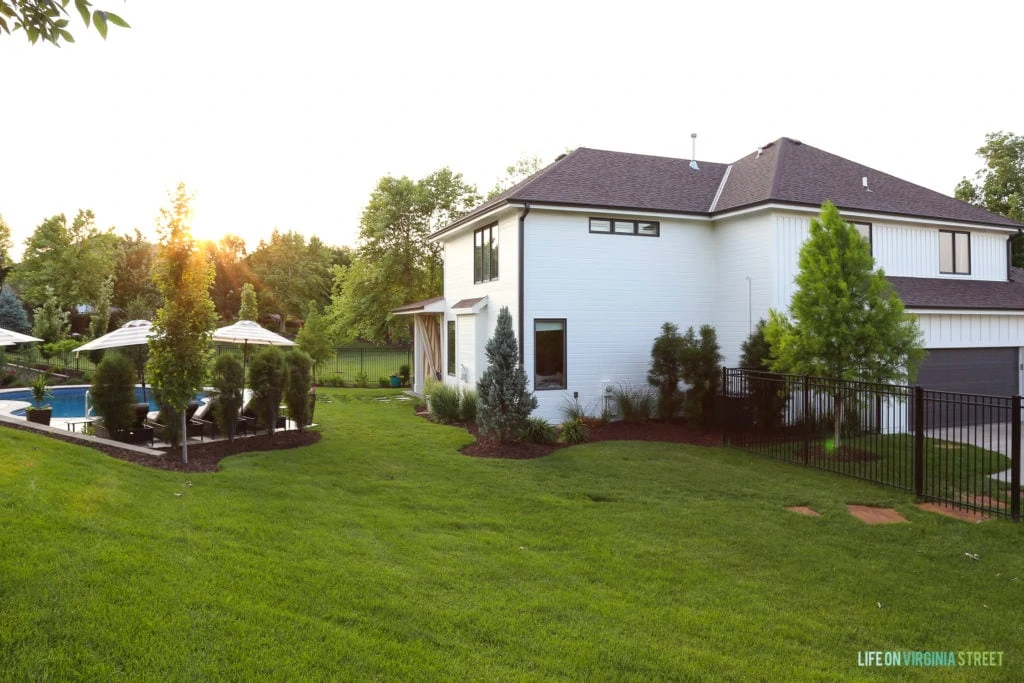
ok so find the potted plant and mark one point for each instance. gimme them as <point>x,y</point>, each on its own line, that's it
<point>39,413</point>
<point>403,373</point>
<point>396,381</point>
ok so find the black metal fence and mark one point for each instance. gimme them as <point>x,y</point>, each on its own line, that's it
<point>350,366</point>
<point>960,450</point>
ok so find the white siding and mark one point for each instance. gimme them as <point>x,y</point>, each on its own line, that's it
<point>899,249</point>
<point>954,331</point>
<point>743,283</point>
<point>465,350</point>
<point>473,331</point>
<point>614,291</point>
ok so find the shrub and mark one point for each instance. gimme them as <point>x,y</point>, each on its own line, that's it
<point>403,372</point>
<point>635,404</point>
<point>666,370</point>
<point>299,381</point>
<point>538,430</point>
<point>443,403</point>
<point>572,410</point>
<point>574,431</point>
<point>768,395</point>
<point>113,392</point>
<point>505,401</point>
<point>470,400</point>
<point>383,382</point>
<point>229,382</point>
<point>362,380</point>
<point>268,375</point>
<point>702,371</point>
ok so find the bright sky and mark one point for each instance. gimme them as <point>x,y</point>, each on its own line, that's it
<point>286,114</point>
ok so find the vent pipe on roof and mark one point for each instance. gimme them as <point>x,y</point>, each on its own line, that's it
<point>864,182</point>
<point>693,157</point>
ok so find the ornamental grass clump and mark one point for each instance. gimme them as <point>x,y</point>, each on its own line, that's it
<point>505,402</point>
<point>443,403</point>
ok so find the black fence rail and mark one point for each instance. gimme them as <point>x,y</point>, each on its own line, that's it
<point>350,366</point>
<point>960,450</point>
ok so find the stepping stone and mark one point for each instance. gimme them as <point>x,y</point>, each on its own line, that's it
<point>955,513</point>
<point>873,515</point>
<point>804,510</point>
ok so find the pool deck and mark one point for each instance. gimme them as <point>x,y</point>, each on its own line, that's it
<point>61,431</point>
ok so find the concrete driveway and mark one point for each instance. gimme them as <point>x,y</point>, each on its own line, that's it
<point>993,437</point>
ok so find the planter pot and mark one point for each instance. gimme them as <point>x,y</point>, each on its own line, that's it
<point>40,416</point>
<point>396,381</point>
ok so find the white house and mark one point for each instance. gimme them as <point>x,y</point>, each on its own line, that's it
<point>593,253</point>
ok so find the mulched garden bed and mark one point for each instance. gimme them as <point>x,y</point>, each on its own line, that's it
<point>613,431</point>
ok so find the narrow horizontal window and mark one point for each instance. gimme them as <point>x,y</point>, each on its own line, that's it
<point>617,227</point>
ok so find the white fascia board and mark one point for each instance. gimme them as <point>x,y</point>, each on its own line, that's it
<point>481,220</point>
<point>436,307</point>
<point>962,311</point>
<point>602,212</point>
<point>868,216</point>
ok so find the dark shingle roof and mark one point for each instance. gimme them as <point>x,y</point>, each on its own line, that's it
<point>417,305</point>
<point>920,292</point>
<point>786,171</point>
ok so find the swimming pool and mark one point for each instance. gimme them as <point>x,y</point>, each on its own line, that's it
<point>69,402</point>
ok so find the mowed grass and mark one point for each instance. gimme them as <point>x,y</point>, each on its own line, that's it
<point>382,553</point>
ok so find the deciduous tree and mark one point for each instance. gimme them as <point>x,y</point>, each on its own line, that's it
<point>289,272</point>
<point>315,337</point>
<point>395,262</point>
<point>49,19</point>
<point>845,321</point>
<point>999,186</point>
<point>516,173</point>
<point>179,351</point>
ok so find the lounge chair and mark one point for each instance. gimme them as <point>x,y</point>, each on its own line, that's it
<point>193,428</point>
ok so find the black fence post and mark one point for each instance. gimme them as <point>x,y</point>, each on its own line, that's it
<point>722,408</point>
<point>807,419</point>
<point>1015,461</point>
<point>918,441</point>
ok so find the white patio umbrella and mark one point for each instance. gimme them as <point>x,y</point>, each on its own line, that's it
<point>132,333</point>
<point>247,332</point>
<point>10,337</point>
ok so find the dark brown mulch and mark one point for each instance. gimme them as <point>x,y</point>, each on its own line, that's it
<point>612,431</point>
<point>202,456</point>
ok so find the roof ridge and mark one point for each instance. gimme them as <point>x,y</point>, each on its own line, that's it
<point>721,187</point>
<point>776,168</point>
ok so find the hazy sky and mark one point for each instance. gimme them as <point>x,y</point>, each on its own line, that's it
<point>288,120</point>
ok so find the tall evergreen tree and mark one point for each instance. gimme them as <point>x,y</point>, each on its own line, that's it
<point>249,308</point>
<point>504,401</point>
<point>315,337</point>
<point>12,313</point>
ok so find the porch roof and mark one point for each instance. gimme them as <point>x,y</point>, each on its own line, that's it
<point>434,304</point>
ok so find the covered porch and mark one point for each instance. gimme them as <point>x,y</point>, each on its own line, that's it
<point>427,316</point>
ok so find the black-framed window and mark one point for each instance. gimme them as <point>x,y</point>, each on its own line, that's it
<point>485,254</point>
<point>865,231</point>
<point>954,252</point>
<point>451,348</point>
<point>610,226</point>
<point>549,361</point>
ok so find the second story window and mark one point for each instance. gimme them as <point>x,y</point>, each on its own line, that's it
<point>617,227</point>
<point>865,231</point>
<point>954,252</point>
<point>485,254</point>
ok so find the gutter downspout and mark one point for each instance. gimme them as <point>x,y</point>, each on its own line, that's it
<point>522,288</point>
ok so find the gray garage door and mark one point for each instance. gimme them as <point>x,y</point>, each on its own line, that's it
<point>990,371</point>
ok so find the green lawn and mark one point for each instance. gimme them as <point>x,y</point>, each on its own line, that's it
<point>381,553</point>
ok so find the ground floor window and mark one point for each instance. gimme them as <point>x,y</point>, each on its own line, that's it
<point>549,354</point>
<point>451,348</point>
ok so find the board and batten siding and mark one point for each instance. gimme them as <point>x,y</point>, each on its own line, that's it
<point>742,251</point>
<point>899,249</point>
<point>473,330</point>
<point>614,291</point>
<point>965,330</point>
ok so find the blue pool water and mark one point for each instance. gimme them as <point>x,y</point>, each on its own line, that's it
<point>68,401</point>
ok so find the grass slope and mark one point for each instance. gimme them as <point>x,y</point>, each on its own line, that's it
<point>382,553</point>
